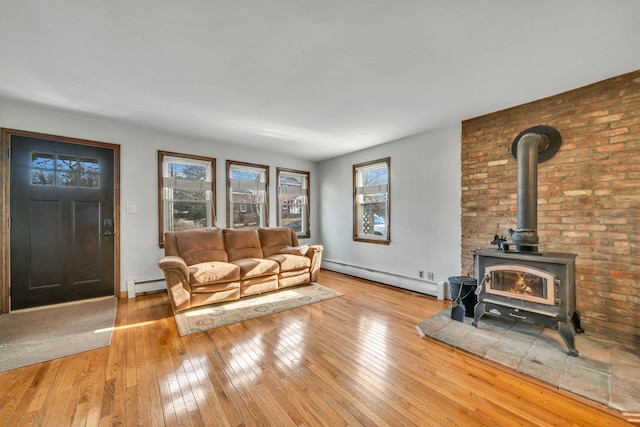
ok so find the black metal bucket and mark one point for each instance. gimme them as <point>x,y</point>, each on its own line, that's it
<point>463,294</point>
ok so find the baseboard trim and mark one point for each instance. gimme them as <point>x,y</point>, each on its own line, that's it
<point>436,289</point>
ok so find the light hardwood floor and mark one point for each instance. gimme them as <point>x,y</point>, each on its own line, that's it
<point>353,360</point>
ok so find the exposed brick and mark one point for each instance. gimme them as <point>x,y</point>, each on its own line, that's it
<point>611,147</point>
<point>613,132</point>
<point>611,118</point>
<point>589,192</point>
<point>626,137</point>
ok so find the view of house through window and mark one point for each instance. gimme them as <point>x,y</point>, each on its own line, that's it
<point>247,201</point>
<point>293,200</point>
<point>187,192</point>
<point>371,201</point>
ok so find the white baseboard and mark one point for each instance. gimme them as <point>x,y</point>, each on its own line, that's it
<point>436,289</point>
<point>140,286</point>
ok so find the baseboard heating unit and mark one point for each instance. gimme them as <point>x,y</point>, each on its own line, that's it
<point>135,287</point>
<point>427,287</point>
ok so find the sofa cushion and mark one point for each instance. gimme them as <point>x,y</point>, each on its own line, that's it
<point>243,243</point>
<point>258,285</point>
<point>217,287</point>
<point>201,245</point>
<point>213,272</point>
<point>256,267</point>
<point>295,250</point>
<point>291,262</point>
<point>273,240</point>
<point>293,280</point>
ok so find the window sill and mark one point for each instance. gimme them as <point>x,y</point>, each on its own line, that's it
<point>371,240</point>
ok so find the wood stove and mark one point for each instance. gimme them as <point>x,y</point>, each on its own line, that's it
<point>520,280</point>
<point>532,288</point>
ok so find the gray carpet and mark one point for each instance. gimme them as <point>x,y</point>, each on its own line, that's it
<point>29,337</point>
<point>607,371</point>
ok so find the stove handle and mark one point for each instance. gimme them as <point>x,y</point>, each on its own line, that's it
<point>517,316</point>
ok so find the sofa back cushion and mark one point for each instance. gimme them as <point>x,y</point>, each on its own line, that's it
<point>243,243</point>
<point>273,240</point>
<point>201,245</point>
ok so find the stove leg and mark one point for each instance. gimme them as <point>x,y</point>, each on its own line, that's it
<point>478,311</point>
<point>575,319</point>
<point>568,334</point>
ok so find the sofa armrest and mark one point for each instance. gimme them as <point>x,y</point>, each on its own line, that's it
<point>315,253</point>
<point>175,264</point>
<point>176,274</point>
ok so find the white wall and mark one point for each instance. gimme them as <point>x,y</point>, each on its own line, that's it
<point>425,210</point>
<point>139,146</point>
<point>425,194</point>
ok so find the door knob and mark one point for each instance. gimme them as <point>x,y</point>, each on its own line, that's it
<point>108,233</point>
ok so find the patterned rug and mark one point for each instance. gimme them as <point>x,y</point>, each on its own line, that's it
<point>606,371</point>
<point>213,316</point>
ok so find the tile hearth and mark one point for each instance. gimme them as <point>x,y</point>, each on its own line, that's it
<point>607,371</point>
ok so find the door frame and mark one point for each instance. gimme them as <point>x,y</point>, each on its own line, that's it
<point>5,208</point>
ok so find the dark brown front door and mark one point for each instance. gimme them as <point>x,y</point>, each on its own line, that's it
<point>62,222</point>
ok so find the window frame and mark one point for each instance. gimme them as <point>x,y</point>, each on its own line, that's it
<point>189,157</point>
<point>306,215</point>
<point>264,220</point>
<point>357,168</point>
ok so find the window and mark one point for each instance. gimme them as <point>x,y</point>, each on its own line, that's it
<point>64,170</point>
<point>293,200</point>
<point>247,201</point>
<point>371,201</point>
<point>186,192</point>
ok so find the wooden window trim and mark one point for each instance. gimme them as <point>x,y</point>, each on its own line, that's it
<point>161,156</point>
<point>356,237</point>
<point>231,163</point>
<point>308,206</point>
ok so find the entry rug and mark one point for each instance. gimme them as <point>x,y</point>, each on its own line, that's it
<point>606,371</point>
<point>34,336</point>
<point>213,316</point>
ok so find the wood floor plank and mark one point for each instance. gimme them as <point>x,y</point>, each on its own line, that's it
<point>19,381</point>
<point>356,360</point>
<point>70,379</point>
<point>290,373</point>
<point>98,381</point>
<point>85,386</point>
<point>145,356</point>
<point>37,394</point>
<point>220,394</point>
<point>78,377</point>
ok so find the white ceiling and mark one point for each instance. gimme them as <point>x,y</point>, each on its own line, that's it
<point>311,78</point>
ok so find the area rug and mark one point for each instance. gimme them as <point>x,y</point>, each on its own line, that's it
<point>606,371</point>
<point>213,316</point>
<point>36,336</point>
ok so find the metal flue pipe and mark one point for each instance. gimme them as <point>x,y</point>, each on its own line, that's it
<point>529,146</point>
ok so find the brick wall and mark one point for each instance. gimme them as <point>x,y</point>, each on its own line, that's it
<point>588,193</point>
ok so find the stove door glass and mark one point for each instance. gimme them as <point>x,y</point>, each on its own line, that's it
<point>521,282</point>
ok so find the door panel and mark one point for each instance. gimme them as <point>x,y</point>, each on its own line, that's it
<point>86,233</point>
<point>62,210</point>
<point>44,244</point>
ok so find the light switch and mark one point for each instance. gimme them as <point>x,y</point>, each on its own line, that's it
<point>132,209</point>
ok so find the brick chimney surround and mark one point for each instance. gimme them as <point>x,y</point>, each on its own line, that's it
<point>588,193</point>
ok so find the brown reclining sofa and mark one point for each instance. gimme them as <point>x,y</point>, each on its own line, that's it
<point>210,265</point>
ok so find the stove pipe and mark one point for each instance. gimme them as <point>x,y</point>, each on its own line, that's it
<point>527,215</point>
<point>534,145</point>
